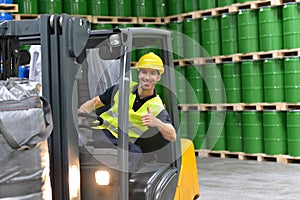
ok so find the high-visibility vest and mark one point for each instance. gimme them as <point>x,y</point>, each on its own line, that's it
<point>135,126</point>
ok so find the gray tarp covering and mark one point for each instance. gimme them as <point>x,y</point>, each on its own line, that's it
<point>25,125</point>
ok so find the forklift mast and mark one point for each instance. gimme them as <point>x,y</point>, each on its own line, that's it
<point>63,39</point>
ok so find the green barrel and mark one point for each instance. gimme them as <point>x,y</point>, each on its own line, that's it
<point>193,122</point>
<point>270,28</point>
<point>190,5</point>
<point>203,5</point>
<point>180,84</point>
<point>175,7</point>
<point>216,134</point>
<point>233,125</point>
<point>28,6</point>
<point>50,6</point>
<point>210,35</point>
<point>274,126</point>
<point>183,123</point>
<point>292,79</point>
<point>229,36</point>
<point>252,129</point>
<point>151,48</point>
<point>195,87</point>
<point>160,8</point>
<point>200,137</point>
<point>232,82</point>
<point>120,8</point>
<point>191,39</point>
<point>291,28</point>
<point>221,3</point>
<point>123,25</point>
<point>242,1</point>
<point>177,41</point>
<point>214,88</point>
<point>142,8</point>
<point>101,26</point>
<point>293,132</point>
<point>134,75</point>
<point>75,7</point>
<point>273,80</point>
<point>252,81</point>
<point>248,36</point>
<point>98,7</point>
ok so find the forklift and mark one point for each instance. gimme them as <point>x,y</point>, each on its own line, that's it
<point>77,170</point>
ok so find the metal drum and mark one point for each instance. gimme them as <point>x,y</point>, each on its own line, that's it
<point>190,5</point>
<point>248,38</point>
<point>210,35</point>
<point>191,40</point>
<point>232,82</point>
<point>252,81</point>
<point>270,28</point>
<point>28,6</point>
<point>291,28</point>
<point>200,137</point>
<point>142,8</point>
<point>75,7</point>
<point>120,8</point>
<point>222,3</point>
<point>293,130</point>
<point>177,41</point>
<point>216,134</point>
<point>274,126</point>
<point>180,84</point>
<point>229,36</point>
<point>160,8</point>
<point>50,6</point>
<point>175,7</point>
<point>214,87</point>
<point>195,87</point>
<point>273,80</point>
<point>252,130</point>
<point>233,125</point>
<point>101,26</point>
<point>292,79</point>
<point>98,7</point>
<point>203,5</point>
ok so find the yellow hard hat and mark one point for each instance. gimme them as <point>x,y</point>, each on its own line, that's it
<point>151,61</point>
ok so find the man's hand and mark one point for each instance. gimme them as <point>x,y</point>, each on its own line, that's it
<point>149,119</point>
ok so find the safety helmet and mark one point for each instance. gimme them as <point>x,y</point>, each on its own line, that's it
<point>151,61</point>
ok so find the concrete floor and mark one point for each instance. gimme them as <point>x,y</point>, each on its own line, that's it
<point>234,179</point>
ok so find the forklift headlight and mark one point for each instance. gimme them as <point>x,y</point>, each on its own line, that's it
<point>102,177</point>
<point>115,40</point>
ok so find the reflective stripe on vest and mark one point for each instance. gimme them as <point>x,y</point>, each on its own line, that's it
<point>135,126</point>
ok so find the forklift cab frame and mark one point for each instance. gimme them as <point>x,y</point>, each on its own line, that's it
<point>63,38</point>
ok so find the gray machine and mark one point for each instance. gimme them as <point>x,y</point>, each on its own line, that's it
<point>65,41</point>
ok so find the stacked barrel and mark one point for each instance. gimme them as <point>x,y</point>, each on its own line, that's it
<point>269,80</point>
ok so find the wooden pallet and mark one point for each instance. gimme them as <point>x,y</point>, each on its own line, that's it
<point>114,20</point>
<point>88,17</point>
<point>25,16</point>
<point>280,106</point>
<point>151,20</point>
<point>10,8</point>
<point>289,1</point>
<point>244,156</point>
<point>255,4</point>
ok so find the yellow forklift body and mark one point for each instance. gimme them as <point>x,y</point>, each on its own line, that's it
<point>188,184</point>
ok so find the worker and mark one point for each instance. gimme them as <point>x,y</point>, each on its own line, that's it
<point>146,110</point>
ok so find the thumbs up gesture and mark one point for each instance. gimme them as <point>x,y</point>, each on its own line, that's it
<point>148,119</point>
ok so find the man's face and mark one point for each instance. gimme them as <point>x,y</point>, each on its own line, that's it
<point>148,78</point>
